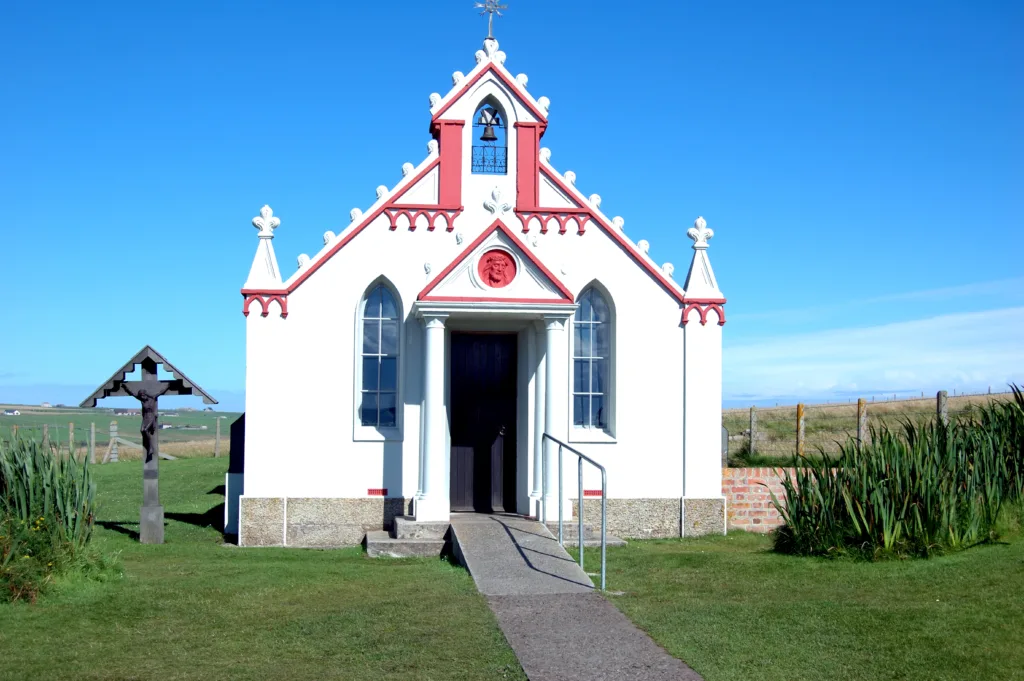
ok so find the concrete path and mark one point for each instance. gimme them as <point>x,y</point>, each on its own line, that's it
<point>560,628</point>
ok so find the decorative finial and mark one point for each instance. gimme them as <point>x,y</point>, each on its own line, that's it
<point>266,222</point>
<point>668,268</point>
<point>700,233</point>
<point>303,260</point>
<point>490,8</point>
<point>618,222</point>
<point>643,245</point>
<point>329,237</point>
<point>355,214</point>
<point>495,205</point>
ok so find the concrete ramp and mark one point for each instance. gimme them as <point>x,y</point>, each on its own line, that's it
<point>560,628</point>
<point>511,555</point>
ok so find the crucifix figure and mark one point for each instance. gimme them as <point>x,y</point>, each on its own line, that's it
<point>490,8</point>
<point>147,392</point>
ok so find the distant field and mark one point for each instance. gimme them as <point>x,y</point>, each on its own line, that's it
<point>193,433</point>
<point>826,425</point>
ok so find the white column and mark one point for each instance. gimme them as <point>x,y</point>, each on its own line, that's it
<point>539,340</point>
<point>556,423</point>
<point>434,505</point>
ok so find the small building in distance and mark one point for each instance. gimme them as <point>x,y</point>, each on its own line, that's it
<point>12,412</point>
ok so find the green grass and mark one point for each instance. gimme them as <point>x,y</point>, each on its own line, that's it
<point>194,608</point>
<point>734,610</point>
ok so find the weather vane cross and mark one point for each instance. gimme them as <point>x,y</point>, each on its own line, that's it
<point>490,8</point>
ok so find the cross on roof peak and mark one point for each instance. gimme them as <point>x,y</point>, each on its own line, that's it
<point>490,8</point>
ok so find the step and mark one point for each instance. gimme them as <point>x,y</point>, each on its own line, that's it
<point>406,527</point>
<point>379,544</point>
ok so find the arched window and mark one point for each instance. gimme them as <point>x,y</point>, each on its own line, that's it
<point>591,361</point>
<point>379,394</point>
<point>490,143</point>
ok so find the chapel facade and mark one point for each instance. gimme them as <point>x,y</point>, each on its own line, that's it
<point>413,365</point>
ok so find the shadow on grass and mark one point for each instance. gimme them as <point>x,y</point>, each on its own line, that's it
<point>213,518</point>
<point>219,489</point>
<point>120,526</point>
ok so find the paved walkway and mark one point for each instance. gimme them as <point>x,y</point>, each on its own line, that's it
<point>560,628</point>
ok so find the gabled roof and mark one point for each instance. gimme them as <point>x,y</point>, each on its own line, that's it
<point>564,296</point>
<point>489,60</point>
<point>114,385</point>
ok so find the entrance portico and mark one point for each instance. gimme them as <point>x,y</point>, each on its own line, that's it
<point>541,398</point>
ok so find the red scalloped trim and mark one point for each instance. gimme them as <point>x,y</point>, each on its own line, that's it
<point>702,305</point>
<point>511,84</point>
<point>265,298</point>
<point>559,215</point>
<point>413,212</point>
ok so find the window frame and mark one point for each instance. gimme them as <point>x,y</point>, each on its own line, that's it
<point>492,102</point>
<point>362,433</point>
<point>594,434</point>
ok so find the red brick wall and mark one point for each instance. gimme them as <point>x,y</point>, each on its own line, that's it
<point>748,503</point>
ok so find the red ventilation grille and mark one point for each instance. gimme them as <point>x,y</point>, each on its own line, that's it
<point>377,491</point>
<point>591,493</point>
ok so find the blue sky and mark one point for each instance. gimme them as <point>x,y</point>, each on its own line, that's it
<point>861,164</point>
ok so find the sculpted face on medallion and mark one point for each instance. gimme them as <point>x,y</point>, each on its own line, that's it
<point>496,268</point>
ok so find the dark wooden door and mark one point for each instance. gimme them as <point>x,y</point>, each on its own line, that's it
<point>483,422</point>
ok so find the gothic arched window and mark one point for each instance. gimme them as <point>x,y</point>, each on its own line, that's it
<point>490,141</point>
<point>592,355</point>
<point>381,319</point>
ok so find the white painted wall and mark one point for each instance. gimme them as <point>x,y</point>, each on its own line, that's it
<point>303,437</point>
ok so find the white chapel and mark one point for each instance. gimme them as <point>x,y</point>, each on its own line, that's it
<point>413,365</point>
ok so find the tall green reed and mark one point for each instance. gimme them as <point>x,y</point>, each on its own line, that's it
<point>922,488</point>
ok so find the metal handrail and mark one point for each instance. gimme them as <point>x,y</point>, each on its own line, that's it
<point>604,499</point>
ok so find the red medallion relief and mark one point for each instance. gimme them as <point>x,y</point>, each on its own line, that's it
<point>497,269</point>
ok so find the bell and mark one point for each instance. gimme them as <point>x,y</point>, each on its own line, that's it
<point>488,135</point>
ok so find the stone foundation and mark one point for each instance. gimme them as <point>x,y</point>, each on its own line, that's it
<point>703,516</point>
<point>315,522</point>
<point>656,518</point>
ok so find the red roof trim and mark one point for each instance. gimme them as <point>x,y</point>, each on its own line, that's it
<point>465,299</point>
<point>490,68</point>
<point>497,225</point>
<point>614,234</point>
<point>367,219</point>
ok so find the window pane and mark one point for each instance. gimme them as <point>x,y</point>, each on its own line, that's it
<point>584,309</point>
<point>389,338</point>
<point>370,368</point>
<point>597,411</point>
<point>577,339</point>
<point>388,308</point>
<point>579,406</point>
<point>388,411</point>
<point>601,345</point>
<point>599,376</point>
<point>388,373</point>
<point>599,307</point>
<point>368,409</point>
<point>583,348</point>
<point>371,337</point>
<point>372,307</point>
<point>581,376</point>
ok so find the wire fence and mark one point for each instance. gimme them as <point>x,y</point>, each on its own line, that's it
<point>776,430</point>
<point>94,440</point>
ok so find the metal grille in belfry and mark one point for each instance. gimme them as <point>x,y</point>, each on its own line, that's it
<point>489,160</point>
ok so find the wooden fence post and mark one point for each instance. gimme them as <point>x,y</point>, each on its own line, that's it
<point>14,431</point>
<point>753,428</point>
<point>92,443</point>
<point>113,442</point>
<point>71,438</point>
<point>800,429</point>
<point>216,443</point>
<point>941,410</point>
<point>46,435</point>
<point>862,422</point>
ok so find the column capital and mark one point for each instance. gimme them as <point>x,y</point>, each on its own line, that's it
<point>555,322</point>
<point>433,320</point>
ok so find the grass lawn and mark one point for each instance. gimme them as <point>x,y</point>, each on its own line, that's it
<point>733,610</point>
<point>195,609</point>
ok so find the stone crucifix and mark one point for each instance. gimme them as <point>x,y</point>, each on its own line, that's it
<point>148,391</point>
